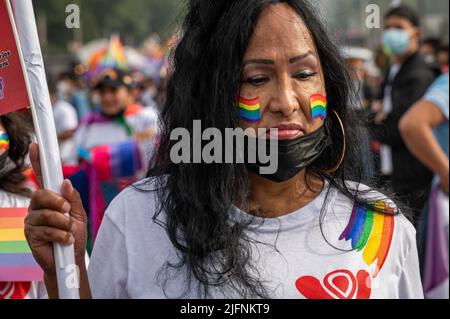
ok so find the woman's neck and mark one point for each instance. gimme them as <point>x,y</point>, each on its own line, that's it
<point>272,200</point>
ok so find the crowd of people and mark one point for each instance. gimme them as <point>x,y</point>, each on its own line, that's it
<point>388,115</point>
<point>407,114</point>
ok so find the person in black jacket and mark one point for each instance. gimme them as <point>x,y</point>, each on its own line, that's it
<point>406,82</point>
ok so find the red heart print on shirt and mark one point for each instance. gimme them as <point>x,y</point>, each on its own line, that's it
<point>339,284</point>
<point>14,290</point>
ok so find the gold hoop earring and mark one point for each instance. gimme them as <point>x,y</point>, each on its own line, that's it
<point>344,149</point>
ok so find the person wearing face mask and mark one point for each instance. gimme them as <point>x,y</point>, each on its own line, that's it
<point>15,138</point>
<point>406,82</point>
<point>111,146</point>
<point>309,229</point>
<point>70,89</point>
<point>117,120</point>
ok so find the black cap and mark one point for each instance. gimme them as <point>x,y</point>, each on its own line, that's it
<point>405,12</point>
<point>113,78</point>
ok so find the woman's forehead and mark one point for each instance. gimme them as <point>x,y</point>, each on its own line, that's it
<point>280,28</point>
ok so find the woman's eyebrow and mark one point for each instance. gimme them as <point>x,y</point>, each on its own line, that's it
<point>271,62</point>
<point>301,57</point>
<point>259,61</point>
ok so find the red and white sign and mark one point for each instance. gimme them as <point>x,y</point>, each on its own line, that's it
<point>13,89</point>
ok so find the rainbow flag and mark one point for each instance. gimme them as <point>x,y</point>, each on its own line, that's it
<point>115,56</point>
<point>95,60</point>
<point>371,233</point>
<point>16,261</point>
<point>250,109</point>
<point>318,106</point>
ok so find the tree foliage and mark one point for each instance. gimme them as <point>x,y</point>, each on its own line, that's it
<point>133,19</point>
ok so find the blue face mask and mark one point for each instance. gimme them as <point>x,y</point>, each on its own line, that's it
<point>396,41</point>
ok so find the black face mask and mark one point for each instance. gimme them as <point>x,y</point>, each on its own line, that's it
<point>294,155</point>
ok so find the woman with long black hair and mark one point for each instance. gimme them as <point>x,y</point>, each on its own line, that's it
<point>310,229</point>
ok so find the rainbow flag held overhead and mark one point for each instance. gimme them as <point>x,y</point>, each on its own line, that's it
<point>115,56</point>
<point>16,260</point>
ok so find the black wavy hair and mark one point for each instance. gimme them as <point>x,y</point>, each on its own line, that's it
<point>195,199</point>
<point>19,132</point>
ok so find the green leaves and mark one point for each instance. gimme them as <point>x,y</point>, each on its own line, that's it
<point>135,20</point>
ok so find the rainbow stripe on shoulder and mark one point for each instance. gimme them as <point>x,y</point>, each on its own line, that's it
<point>371,233</point>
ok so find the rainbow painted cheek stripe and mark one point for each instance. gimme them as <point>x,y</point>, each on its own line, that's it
<point>371,233</point>
<point>250,109</point>
<point>318,106</point>
<point>4,141</point>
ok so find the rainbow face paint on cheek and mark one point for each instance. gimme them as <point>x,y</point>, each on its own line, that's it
<point>4,141</point>
<point>250,109</point>
<point>318,106</point>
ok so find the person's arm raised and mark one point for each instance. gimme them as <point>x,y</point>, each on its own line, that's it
<point>46,224</point>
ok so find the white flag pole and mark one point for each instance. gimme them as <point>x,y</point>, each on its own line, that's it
<point>32,61</point>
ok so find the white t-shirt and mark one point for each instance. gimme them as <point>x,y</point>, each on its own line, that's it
<point>33,290</point>
<point>131,249</point>
<point>66,119</point>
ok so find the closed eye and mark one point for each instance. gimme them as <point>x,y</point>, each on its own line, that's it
<point>257,80</point>
<point>304,76</point>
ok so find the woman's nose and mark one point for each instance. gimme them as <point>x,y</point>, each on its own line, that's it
<point>284,100</point>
